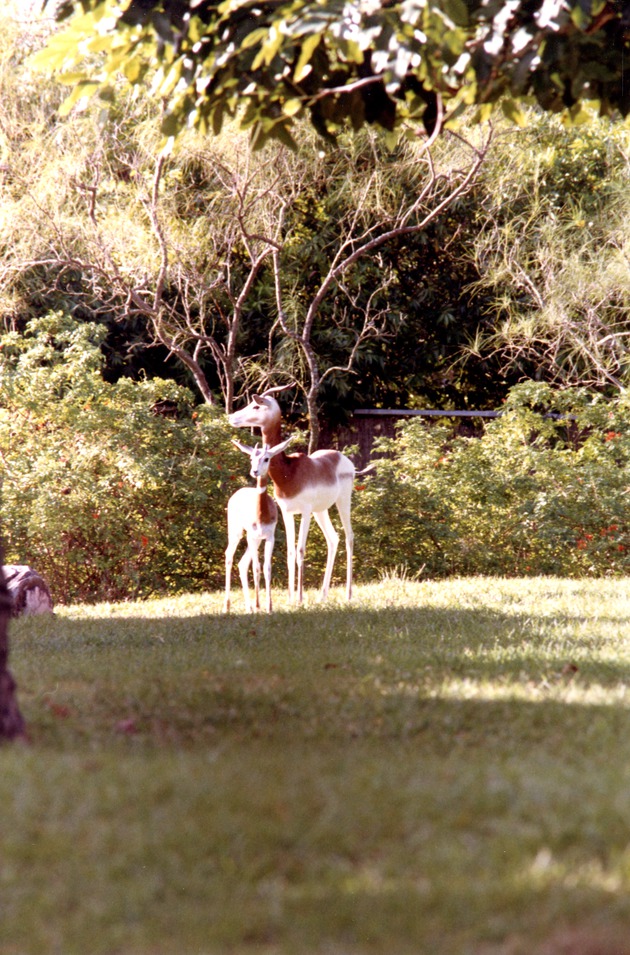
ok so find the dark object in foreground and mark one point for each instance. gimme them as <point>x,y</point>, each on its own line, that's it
<point>11,721</point>
<point>29,592</point>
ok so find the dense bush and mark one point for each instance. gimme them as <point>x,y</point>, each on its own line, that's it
<point>105,497</point>
<point>110,499</point>
<point>534,495</point>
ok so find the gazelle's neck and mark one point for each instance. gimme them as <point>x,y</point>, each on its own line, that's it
<point>266,509</point>
<point>272,434</point>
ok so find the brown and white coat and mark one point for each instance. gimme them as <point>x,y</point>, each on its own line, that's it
<point>251,511</point>
<point>306,484</point>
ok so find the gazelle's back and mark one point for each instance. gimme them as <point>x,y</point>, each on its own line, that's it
<point>245,503</point>
<point>313,482</point>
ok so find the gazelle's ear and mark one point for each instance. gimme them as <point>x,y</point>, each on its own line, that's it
<point>281,447</point>
<point>243,447</point>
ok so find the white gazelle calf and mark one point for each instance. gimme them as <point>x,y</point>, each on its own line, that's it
<point>306,484</point>
<point>251,511</point>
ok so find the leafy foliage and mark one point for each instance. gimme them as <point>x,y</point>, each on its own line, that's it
<point>551,253</point>
<point>342,62</point>
<point>78,232</point>
<point>522,277</point>
<point>108,498</point>
<point>105,496</point>
<point>535,494</point>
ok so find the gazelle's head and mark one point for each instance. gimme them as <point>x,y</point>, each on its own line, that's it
<point>263,411</point>
<point>261,457</point>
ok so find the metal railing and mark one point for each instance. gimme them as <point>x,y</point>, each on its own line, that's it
<point>404,413</point>
<point>407,413</point>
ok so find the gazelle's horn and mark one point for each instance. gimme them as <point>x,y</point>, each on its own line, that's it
<point>270,391</point>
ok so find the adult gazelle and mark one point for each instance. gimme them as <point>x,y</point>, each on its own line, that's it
<point>306,484</point>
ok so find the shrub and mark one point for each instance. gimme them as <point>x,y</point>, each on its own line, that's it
<point>105,497</point>
<point>110,500</point>
<point>534,495</point>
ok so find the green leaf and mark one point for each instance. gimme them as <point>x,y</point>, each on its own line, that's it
<point>133,69</point>
<point>392,138</point>
<point>256,36</point>
<point>170,125</point>
<point>269,49</point>
<point>282,134</point>
<point>350,50</point>
<point>457,11</point>
<point>292,106</point>
<point>107,94</point>
<point>196,30</point>
<point>81,91</point>
<point>309,46</point>
<point>483,113</point>
<point>60,50</point>
<point>99,43</point>
<point>580,18</point>
<point>577,116</point>
<point>70,78</point>
<point>513,112</point>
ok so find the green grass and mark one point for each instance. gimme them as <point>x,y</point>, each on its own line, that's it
<point>444,768</point>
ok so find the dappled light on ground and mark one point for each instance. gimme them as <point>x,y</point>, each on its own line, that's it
<point>440,767</point>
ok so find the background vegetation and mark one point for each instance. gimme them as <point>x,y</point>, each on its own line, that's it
<point>397,65</point>
<point>118,490</point>
<point>523,275</point>
<point>112,490</point>
<point>134,281</point>
<point>543,490</point>
<point>398,774</point>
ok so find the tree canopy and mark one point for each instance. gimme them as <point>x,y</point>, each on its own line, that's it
<point>345,61</point>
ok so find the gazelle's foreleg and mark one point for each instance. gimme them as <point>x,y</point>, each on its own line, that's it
<point>229,559</point>
<point>243,569</point>
<point>269,542</point>
<point>256,567</point>
<point>332,540</point>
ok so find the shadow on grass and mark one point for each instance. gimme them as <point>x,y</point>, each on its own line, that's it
<point>345,780</point>
<point>444,677</point>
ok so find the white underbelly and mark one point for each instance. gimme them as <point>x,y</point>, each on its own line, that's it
<point>315,502</point>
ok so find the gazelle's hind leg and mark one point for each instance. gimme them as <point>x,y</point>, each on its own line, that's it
<point>344,505</point>
<point>243,568</point>
<point>301,551</point>
<point>256,567</point>
<point>332,540</point>
<point>267,570</point>
<point>229,559</point>
<point>289,527</point>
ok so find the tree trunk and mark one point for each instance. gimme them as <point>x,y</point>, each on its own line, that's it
<point>11,721</point>
<point>313,420</point>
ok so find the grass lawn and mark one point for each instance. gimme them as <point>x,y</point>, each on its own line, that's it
<point>442,769</point>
